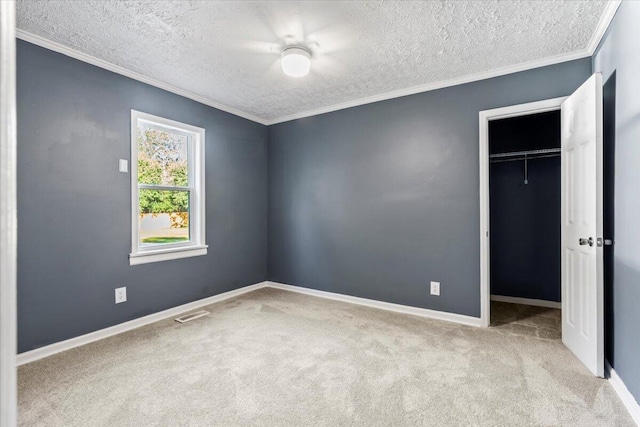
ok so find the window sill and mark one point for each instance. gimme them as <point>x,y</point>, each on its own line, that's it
<point>166,254</point>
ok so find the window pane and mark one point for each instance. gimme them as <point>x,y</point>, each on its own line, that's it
<point>162,157</point>
<point>164,216</point>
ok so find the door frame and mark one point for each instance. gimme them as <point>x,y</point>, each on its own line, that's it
<point>8,215</point>
<point>485,117</point>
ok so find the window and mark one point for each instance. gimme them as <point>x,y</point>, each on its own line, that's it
<point>167,189</point>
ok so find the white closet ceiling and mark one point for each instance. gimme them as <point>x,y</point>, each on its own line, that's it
<point>228,53</point>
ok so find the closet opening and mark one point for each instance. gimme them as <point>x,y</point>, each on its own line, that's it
<point>525,224</point>
<point>521,230</point>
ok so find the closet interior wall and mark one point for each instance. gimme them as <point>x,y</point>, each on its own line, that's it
<point>524,185</point>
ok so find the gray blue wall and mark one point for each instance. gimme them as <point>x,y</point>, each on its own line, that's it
<point>377,200</point>
<point>618,58</point>
<point>74,224</point>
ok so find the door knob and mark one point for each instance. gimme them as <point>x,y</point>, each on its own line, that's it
<point>584,242</point>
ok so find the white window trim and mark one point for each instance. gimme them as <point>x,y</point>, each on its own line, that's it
<point>197,245</point>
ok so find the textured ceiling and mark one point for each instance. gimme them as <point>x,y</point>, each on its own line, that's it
<point>229,52</point>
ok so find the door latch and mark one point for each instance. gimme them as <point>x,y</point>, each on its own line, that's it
<point>603,242</point>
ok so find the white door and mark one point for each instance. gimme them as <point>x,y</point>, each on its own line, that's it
<point>8,228</point>
<point>582,252</point>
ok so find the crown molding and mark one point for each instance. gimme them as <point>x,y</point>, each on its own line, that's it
<point>438,85</point>
<point>65,50</point>
<point>603,24</point>
<point>596,38</point>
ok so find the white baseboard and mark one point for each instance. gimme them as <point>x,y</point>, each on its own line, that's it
<point>623,393</point>
<point>398,308</point>
<point>30,356</point>
<point>49,350</point>
<point>527,301</point>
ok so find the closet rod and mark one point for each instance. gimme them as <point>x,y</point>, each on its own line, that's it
<point>519,159</point>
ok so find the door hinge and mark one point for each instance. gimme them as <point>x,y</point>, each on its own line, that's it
<point>603,242</point>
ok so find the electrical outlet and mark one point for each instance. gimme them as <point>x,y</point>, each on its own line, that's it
<point>123,165</point>
<point>121,295</point>
<point>435,288</point>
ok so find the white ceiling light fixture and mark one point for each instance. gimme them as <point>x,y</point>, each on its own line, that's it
<point>296,61</point>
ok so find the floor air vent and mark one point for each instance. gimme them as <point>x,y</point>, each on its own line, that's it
<point>191,316</point>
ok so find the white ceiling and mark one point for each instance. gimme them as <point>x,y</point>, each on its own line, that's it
<point>227,53</point>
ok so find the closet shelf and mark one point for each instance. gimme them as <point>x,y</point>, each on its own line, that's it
<point>526,156</point>
<point>525,153</point>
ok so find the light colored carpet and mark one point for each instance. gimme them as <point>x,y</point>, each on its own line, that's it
<point>275,358</point>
